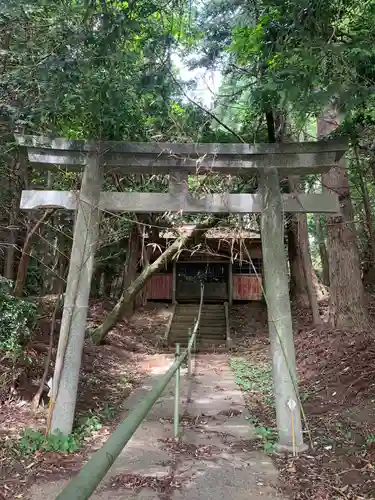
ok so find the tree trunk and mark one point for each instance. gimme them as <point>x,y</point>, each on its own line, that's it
<point>347,299</point>
<point>146,253</point>
<point>9,265</point>
<point>130,268</point>
<point>95,282</point>
<point>302,240</point>
<point>322,250</point>
<point>25,256</point>
<point>369,268</point>
<point>298,287</point>
<point>298,283</point>
<point>107,284</point>
<point>128,295</point>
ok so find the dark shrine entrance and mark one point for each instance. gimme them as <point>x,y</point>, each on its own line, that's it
<point>215,276</point>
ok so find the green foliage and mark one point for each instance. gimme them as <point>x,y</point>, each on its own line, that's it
<point>253,378</point>
<point>91,69</point>
<point>88,424</point>
<point>34,279</point>
<point>267,437</point>
<point>370,440</point>
<point>256,380</point>
<point>16,320</point>
<point>32,441</point>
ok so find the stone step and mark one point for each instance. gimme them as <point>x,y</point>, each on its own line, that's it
<point>212,335</point>
<point>199,344</point>
<point>212,330</point>
<point>195,305</point>
<point>203,326</point>
<point>201,333</point>
<point>192,317</point>
<point>203,322</point>
<point>207,333</point>
<point>189,310</point>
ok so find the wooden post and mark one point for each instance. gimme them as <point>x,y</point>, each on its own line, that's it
<point>73,323</point>
<point>279,315</point>
<point>230,283</point>
<point>174,281</point>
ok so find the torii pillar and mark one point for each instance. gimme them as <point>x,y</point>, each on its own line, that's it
<point>287,402</point>
<point>73,322</point>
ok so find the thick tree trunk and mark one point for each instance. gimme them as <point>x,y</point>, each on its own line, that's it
<point>25,256</point>
<point>302,240</point>
<point>369,268</point>
<point>298,284</point>
<point>298,287</point>
<point>322,250</point>
<point>347,299</point>
<point>141,299</point>
<point>130,268</point>
<point>128,295</point>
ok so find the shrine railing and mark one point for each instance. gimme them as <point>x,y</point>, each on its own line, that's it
<point>82,486</point>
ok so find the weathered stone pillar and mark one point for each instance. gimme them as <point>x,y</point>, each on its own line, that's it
<point>73,324</point>
<point>279,314</point>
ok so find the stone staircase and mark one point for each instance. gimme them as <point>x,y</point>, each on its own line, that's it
<point>212,330</point>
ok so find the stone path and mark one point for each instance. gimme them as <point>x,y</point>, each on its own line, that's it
<point>214,459</point>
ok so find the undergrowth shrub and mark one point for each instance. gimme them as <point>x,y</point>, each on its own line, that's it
<point>17,317</point>
<point>32,441</point>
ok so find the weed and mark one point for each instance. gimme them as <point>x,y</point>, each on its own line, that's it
<point>87,425</point>
<point>257,379</point>
<point>253,420</point>
<point>305,396</point>
<point>370,441</point>
<point>267,436</point>
<point>253,377</point>
<point>32,441</point>
<point>107,413</point>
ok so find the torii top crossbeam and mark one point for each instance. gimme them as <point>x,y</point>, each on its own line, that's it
<point>288,158</point>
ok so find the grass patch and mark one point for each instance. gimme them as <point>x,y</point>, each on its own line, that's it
<point>254,378</point>
<point>32,440</point>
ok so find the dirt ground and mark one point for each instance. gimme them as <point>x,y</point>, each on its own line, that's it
<point>337,384</point>
<point>108,374</point>
<point>336,370</point>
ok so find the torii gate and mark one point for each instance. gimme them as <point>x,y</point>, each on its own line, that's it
<point>269,161</point>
